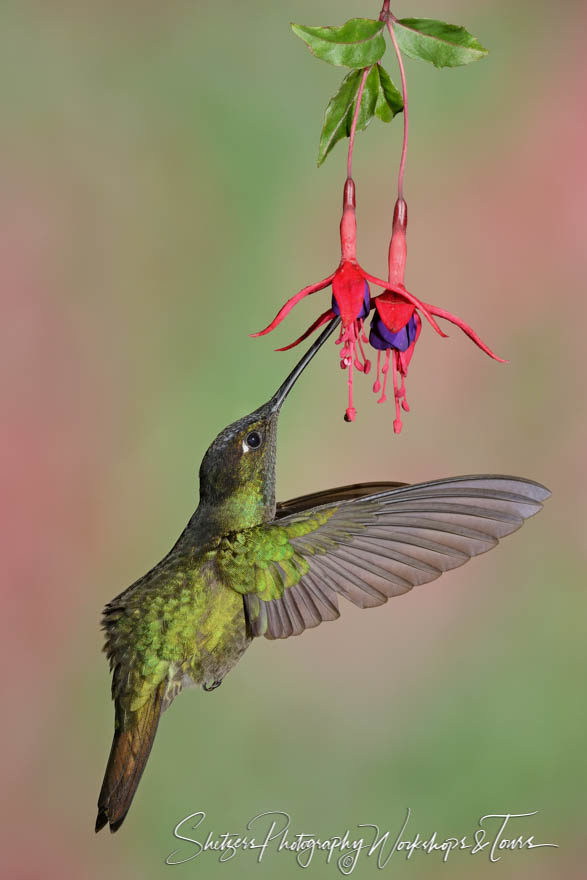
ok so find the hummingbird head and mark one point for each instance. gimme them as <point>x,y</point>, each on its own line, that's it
<point>237,474</point>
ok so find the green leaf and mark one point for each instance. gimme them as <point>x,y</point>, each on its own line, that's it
<point>380,98</point>
<point>444,45</point>
<point>358,43</point>
<point>389,100</point>
<point>338,117</point>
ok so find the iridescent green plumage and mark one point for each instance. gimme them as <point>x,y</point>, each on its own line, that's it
<point>184,622</point>
<point>178,621</point>
<point>263,559</point>
<point>246,567</point>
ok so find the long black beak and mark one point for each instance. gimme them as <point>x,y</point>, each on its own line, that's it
<point>284,389</point>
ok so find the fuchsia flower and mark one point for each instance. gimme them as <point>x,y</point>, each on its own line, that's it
<point>351,300</point>
<point>396,323</point>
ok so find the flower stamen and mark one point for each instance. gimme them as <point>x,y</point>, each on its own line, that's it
<point>366,363</point>
<point>385,371</point>
<point>351,413</point>
<point>402,391</point>
<point>377,383</point>
<point>397,424</point>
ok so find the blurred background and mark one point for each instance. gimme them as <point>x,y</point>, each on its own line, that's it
<point>159,200</point>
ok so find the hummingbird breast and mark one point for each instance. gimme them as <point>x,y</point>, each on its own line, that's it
<point>179,622</point>
<point>219,636</point>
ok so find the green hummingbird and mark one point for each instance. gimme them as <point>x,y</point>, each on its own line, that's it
<point>246,567</point>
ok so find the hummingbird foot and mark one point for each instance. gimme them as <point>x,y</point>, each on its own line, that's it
<point>213,686</point>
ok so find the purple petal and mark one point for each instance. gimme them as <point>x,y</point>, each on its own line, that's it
<point>382,338</point>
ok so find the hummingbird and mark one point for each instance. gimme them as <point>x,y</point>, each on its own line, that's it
<point>245,567</point>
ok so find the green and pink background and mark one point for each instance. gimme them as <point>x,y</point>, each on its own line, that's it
<point>159,200</point>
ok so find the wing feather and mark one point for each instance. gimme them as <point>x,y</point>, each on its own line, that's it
<point>370,542</point>
<point>331,496</point>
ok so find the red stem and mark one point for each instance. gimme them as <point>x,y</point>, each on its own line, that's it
<point>349,164</point>
<point>402,165</point>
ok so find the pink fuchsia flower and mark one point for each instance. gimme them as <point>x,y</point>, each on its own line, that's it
<point>351,300</point>
<point>397,321</point>
<point>396,324</point>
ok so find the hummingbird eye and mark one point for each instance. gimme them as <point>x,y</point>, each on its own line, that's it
<point>253,440</point>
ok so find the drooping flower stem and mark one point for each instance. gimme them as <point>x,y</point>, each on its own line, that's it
<point>349,164</point>
<point>388,17</point>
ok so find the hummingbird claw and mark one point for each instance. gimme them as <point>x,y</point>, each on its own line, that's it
<point>213,686</point>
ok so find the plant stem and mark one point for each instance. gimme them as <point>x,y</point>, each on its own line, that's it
<point>389,18</point>
<point>349,164</point>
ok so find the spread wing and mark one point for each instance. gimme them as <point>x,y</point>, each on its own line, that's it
<point>330,496</point>
<point>368,546</point>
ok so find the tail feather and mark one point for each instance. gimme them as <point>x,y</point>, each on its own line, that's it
<point>130,750</point>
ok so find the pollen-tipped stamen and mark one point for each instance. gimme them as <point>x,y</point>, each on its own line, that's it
<point>397,423</point>
<point>402,390</point>
<point>351,413</point>
<point>385,371</point>
<point>377,382</point>
<point>366,363</point>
